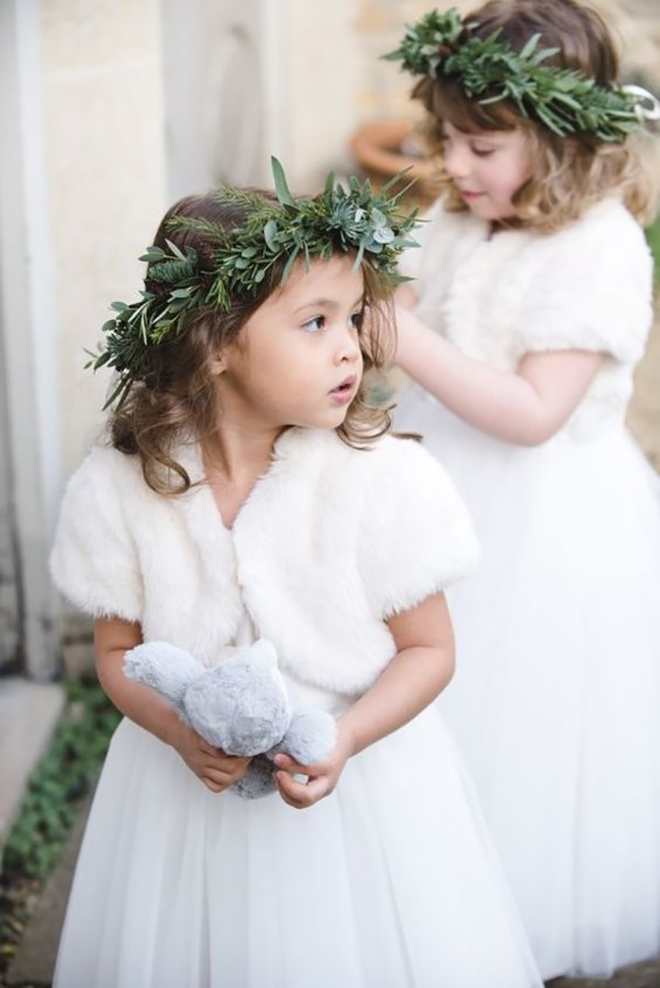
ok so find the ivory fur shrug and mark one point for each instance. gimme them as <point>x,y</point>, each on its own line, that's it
<point>587,287</point>
<point>330,542</point>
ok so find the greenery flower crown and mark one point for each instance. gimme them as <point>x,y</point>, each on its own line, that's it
<point>352,220</point>
<point>564,100</point>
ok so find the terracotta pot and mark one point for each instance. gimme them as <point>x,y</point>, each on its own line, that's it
<point>380,150</point>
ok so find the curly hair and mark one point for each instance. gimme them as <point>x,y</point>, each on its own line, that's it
<point>178,399</point>
<point>569,174</point>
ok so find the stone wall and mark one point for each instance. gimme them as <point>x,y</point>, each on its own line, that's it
<point>105,158</point>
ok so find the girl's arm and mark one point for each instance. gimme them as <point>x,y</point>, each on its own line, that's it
<point>112,639</point>
<point>526,407</point>
<point>420,670</point>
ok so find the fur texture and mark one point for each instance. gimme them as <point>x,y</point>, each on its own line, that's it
<point>330,543</point>
<point>587,287</point>
<point>240,705</point>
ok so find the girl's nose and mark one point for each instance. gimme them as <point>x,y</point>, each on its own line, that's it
<point>455,160</point>
<point>348,350</point>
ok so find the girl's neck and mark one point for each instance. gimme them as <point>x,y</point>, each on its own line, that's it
<point>503,226</point>
<point>233,461</point>
<point>236,454</point>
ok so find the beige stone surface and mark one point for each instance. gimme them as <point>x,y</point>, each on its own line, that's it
<point>28,714</point>
<point>105,158</point>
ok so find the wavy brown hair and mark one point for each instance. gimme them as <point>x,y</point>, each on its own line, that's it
<point>570,173</point>
<point>178,399</point>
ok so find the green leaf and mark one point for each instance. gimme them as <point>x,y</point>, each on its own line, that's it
<point>281,188</point>
<point>153,254</point>
<point>176,250</point>
<point>530,46</point>
<point>270,232</point>
<point>289,264</point>
<point>383,235</point>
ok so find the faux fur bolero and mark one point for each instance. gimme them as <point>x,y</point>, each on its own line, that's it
<point>587,287</point>
<point>329,544</point>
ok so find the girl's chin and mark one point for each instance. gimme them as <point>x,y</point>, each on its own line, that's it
<point>487,210</point>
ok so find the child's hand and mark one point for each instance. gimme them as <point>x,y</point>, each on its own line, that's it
<point>215,769</point>
<point>322,777</point>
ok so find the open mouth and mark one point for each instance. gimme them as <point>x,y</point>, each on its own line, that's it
<point>344,392</point>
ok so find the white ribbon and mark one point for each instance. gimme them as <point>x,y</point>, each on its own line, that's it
<point>647,106</point>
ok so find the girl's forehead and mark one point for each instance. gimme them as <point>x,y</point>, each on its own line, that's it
<point>333,280</point>
<point>482,132</point>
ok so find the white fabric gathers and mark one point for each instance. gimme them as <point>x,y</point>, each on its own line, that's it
<point>391,881</point>
<point>555,701</point>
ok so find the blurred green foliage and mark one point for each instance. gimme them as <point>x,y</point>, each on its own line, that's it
<point>653,237</point>
<point>63,776</point>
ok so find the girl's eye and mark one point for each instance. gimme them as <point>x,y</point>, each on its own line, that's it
<point>357,319</point>
<point>483,152</point>
<point>314,325</point>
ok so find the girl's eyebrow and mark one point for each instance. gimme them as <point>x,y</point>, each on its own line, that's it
<point>326,303</point>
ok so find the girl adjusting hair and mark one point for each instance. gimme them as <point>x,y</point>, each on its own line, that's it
<point>533,303</point>
<point>249,491</point>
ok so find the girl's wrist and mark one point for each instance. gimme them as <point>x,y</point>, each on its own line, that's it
<point>346,738</point>
<point>172,730</point>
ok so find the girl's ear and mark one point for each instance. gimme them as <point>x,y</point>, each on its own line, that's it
<point>218,364</point>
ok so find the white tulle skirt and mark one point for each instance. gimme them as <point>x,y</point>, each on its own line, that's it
<point>556,701</point>
<point>390,882</point>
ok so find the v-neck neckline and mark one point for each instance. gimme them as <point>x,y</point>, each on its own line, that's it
<point>193,460</point>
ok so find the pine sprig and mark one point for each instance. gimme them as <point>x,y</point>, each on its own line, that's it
<point>272,238</point>
<point>564,100</point>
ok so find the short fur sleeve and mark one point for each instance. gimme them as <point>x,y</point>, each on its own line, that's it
<point>94,559</point>
<point>416,535</point>
<point>592,288</point>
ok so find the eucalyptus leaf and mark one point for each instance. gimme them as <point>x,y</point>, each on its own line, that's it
<point>270,232</point>
<point>281,187</point>
<point>343,218</point>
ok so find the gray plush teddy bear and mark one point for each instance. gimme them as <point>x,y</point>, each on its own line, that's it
<point>240,705</point>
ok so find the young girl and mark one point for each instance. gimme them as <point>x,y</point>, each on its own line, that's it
<point>246,491</point>
<point>536,280</point>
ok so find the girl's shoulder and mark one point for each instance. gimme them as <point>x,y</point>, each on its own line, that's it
<point>588,286</point>
<point>105,469</point>
<point>93,560</point>
<point>400,459</point>
<point>607,230</point>
<point>395,493</point>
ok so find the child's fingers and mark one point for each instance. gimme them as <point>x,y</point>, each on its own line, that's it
<point>289,764</point>
<point>213,786</point>
<point>300,794</point>
<point>217,776</point>
<point>226,763</point>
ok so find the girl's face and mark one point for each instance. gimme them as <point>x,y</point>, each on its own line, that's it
<point>298,359</point>
<point>487,167</point>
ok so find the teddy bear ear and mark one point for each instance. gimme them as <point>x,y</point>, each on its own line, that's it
<point>264,650</point>
<point>311,736</point>
<point>164,667</point>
